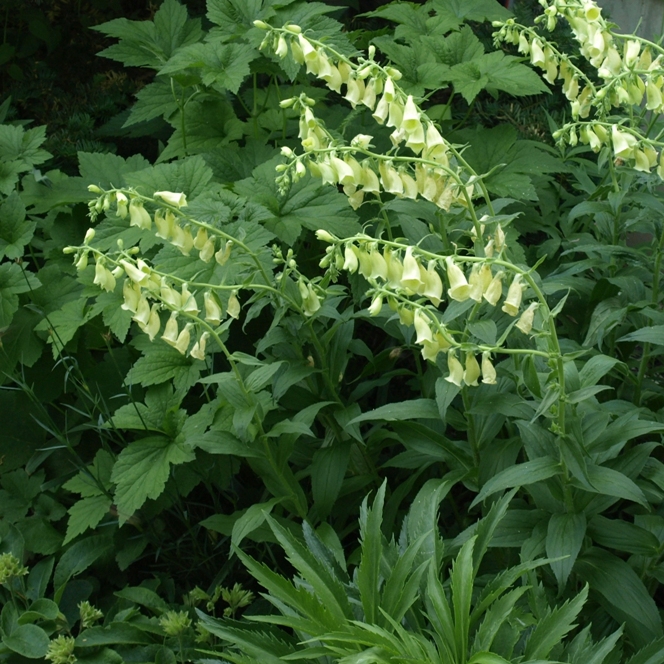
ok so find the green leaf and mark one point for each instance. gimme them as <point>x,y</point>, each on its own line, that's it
<point>564,537</point>
<point>155,100</point>
<point>595,368</point>
<point>368,572</point>
<point>220,66</point>
<point>328,470</point>
<point>27,640</point>
<point>86,513</point>
<point>627,599</point>
<point>23,147</point>
<point>610,482</point>
<point>404,410</point>
<point>554,626</point>
<point>15,230</point>
<point>13,281</point>
<point>144,597</point>
<point>414,21</point>
<point>477,10</point>
<point>208,124</point>
<point>252,519</point>
<point>521,474</point>
<point>108,170</point>
<point>461,582</point>
<point>623,536</point>
<point>653,653</point>
<point>63,324</point>
<point>161,363</point>
<point>308,204</point>
<point>142,469</point>
<point>651,335</point>
<point>116,633</point>
<point>189,176</point>
<point>77,558</point>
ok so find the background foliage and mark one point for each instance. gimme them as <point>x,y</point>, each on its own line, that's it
<point>158,506</point>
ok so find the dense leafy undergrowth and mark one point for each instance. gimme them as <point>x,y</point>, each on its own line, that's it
<point>334,295</point>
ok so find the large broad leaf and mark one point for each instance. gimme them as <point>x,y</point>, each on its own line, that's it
<point>86,513</point>
<point>521,474</point>
<point>477,10</point>
<point>652,335</point>
<point>142,469</point>
<point>27,640</point>
<point>564,538</point>
<point>15,230</point>
<point>413,20</point>
<point>328,470</point>
<point>78,557</point>
<point>189,176</point>
<point>108,170</point>
<point>307,204</point>
<point>623,592</point>
<point>155,100</point>
<point>13,281</point>
<point>404,410</point>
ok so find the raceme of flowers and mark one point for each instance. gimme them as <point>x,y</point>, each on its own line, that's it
<point>630,76</point>
<point>398,273</point>
<point>375,87</point>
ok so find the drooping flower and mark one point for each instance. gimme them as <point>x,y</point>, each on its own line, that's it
<point>410,277</point>
<point>433,284</point>
<point>422,329</point>
<point>472,370</point>
<point>514,294</point>
<point>138,215</point>
<point>103,277</point>
<point>488,370</point>
<point>170,335</point>
<point>455,368</point>
<point>184,339</point>
<point>213,312</point>
<point>198,351</point>
<point>233,307</point>
<point>525,322</point>
<point>459,289</point>
<point>172,198</point>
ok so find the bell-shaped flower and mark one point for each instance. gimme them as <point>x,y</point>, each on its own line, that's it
<point>459,289</point>
<point>182,239</point>
<point>411,116</point>
<point>142,314</point>
<point>351,258</point>
<point>623,143</point>
<point>201,238</point>
<point>369,97</point>
<point>354,91</point>
<point>409,185</point>
<point>103,277</point>
<point>136,275</point>
<point>281,50</point>
<point>138,215</point>
<point>332,76</point>
<point>311,303</point>
<point>632,51</point>
<point>488,370</point>
<point>455,368</point>
<point>406,315</point>
<point>395,114</point>
<point>494,290</point>
<point>224,253</point>
<point>369,181</point>
<point>525,322</point>
<point>430,349</point>
<point>184,339</point>
<point>233,308</point>
<point>344,173</point>
<point>207,252</point>
<point>172,198</point>
<point>131,294</point>
<point>410,277</point>
<point>537,54</point>
<point>121,201</point>
<point>514,294</point>
<point>641,161</point>
<point>198,350</point>
<point>382,108</point>
<point>472,370</point>
<point>170,296</point>
<point>653,96</point>
<point>213,312</point>
<point>415,139</point>
<point>308,50</point>
<point>153,324</point>
<point>435,144</point>
<point>170,335</point>
<point>394,268</point>
<point>378,266</point>
<point>422,328</point>
<point>397,136</point>
<point>390,179</point>
<point>165,223</point>
<point>356,198</point>
<point>365,262</point>
<point>433,284</point>
<point>376,305</point>
<point>188,301</point>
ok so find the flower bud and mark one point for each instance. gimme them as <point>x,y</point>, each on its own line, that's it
<point>376,305</point>
<point>89,236</point>
<point>233,307</point>
<point>262,25</point>
<point>82,261</point>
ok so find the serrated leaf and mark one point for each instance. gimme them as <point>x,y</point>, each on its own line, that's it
<point>15,230</point>
<point>96,477</point>
<point>22,147</point>
<point>189,176</point>
<point>155,100</point>
<point>477,10</point>
<point>63,324</point>
<point>86,513</point>
<point>108,170</point>
<point>141,471</point>
<point>13,282</point>
<point>220,66</point>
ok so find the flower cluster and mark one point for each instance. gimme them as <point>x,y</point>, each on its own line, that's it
<point>10,568</point>
<point>375,87</point>
<point>89,614</point>
<point>175,623</point>
<point>400,272</point>
<point>61,650</point>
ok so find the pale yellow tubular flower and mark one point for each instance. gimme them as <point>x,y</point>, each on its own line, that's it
<point>182,239</point>
<point>376,305</point>
<point>198,350</point>
<point>623,143</point>
<point>494,290</point>
<point>433,285</point>
<point>395,114</point>
<point>422,329</point>
<point>351,258</point>
<point>525,322</point>
<point>307,48</point>
<point>207,252</point>
<point>435,144</point>
<point>485,276</point>
<point>343,172</point>
<point>172,198</point>
<point>415,140</point>
<point>382,109</point>
<point>411,116</point>
<point>103,277</point>
<point>224,253</point>
<point>641,163</point>
<point>390,179</point>
<point>406,316</point>
<point>471,372</point>
<point>459,289</point>
<point>488,370</point>
<point>653,96</point>
<point>213,312</point>
<point>281,51</point>
<point>455,368</point>
<point>514,294</point>
<point>354,91</point>
<point>410,277</point>
<point>170,296</point>
<point>165,223</point>
<point>138,215</point>
<point>409,185</point>
<point>131,294</point>
<point>632,51</point>
<point>201,238</point>
<point>233,307</point>
<point>476,284</point>
<point>333,79</point>
<point>394,268</point>
<point>537,58</point>
<point>378,265</point>
<point>369,96</point>
<point>170,335</point>
<point>184,339</point>
<point>154,323</point>
<point>134,273</point>
<point>312,302</point>
<point>188,301</point>
<point>142,314</point>
<point>355,199</point>
<point>121,201</point>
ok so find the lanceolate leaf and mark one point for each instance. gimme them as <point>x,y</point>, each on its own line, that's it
<point>564,538</point>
